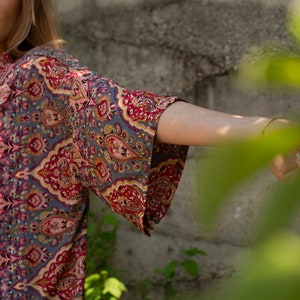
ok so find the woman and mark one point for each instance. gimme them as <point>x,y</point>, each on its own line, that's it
<point>65,130</point>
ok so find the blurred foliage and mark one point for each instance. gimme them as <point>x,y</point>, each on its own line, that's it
<point>274,268</point>
<point>272,272</point>
<point>101,282</point>
<point>230,165</point>
<point>102,286</point>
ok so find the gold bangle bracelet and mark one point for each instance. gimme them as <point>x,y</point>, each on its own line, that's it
<point>267,125</point>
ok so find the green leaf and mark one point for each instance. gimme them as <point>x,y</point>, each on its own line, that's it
<point>89,292</point>
<point>193,252</point>
<point>169,270</point>
<point>110,219</point>
<point>230,165</point>
<point>93,278</point>
<point>293,20</point>
<point>271,67</point>
<point>284,71</point>
<point>191,267</point>
<point>114,287</point>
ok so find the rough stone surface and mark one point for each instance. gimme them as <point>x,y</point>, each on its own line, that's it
<point>187,48</point>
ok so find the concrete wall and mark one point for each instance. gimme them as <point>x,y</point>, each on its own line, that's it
<point>188,48</point>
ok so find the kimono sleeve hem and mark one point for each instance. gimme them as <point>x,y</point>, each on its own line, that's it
<point>167,165</point>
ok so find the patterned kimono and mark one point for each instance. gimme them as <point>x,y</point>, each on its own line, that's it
<point>65,131</point>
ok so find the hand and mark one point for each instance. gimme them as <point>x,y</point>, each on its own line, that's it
<point>285,167</point>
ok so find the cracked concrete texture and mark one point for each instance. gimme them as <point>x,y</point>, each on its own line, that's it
<point>187,48</point>
<point>218,30</point>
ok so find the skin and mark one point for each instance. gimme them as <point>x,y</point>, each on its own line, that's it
<point>9,11</point>
<point>187,124</point>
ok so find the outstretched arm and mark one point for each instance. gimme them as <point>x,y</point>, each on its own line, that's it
<point>187,124</point>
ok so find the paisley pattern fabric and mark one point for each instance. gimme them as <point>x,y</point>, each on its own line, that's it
<point>65,131</point>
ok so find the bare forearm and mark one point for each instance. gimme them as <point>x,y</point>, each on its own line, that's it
<point>187,124</point>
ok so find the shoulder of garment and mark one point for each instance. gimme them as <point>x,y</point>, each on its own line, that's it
<point>51,53</point>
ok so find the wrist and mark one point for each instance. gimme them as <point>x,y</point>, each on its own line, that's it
<point>273,124</point>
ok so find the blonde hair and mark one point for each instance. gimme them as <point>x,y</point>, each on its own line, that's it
<point>36,26</point>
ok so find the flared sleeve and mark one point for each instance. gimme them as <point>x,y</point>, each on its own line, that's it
<point>119,160</point>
